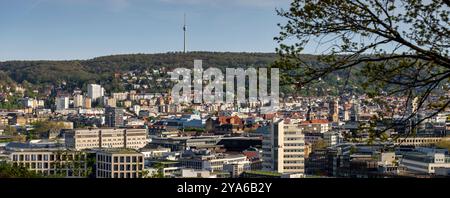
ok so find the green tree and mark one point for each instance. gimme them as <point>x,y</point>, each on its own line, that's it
<point>320,144</point>
<point>8,170</point>
<point>43,128</point>
<point>397,47</point>
<point>159,170</point>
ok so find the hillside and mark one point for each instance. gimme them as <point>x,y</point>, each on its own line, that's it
<point>78,73</point>
<point>103,67</point>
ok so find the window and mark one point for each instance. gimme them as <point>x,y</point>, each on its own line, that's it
<point>116,159</point>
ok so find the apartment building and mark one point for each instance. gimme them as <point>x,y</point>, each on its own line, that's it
<point>95,91</point>
<point>80,139</point>
<point>283,148</point>
<point>119,163</point>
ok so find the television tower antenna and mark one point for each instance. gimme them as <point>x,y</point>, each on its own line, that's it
<point>184,31</point>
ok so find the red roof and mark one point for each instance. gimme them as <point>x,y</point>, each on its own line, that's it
<point>316,121</point>
<point>229,120</point>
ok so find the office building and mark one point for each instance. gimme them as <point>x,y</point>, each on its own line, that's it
<point>106,138</point>
<point>119,163</point>
<point>283,148</point>
<point>214,162</point>
<point>47,162</point>
<point>114,117</point>
<point>424,162</point>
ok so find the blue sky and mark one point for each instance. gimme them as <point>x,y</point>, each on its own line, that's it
<point>83,29</point>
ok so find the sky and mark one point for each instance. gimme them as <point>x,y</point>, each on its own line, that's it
<point>84,29</point>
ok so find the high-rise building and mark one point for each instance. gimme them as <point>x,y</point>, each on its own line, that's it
<point>95,91</point>
<point>355,109</point>
<point>114,117</point>
<point>87,103</point>
<point>78,101</point>
<point>62,102</point>
<point>283,148</point>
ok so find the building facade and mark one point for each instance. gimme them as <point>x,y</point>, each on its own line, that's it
<point>95,91</point>
<point>283,148</point>
<point>80,139</point>
<point>62,163</point>
<point>119,163</point>
<point>114,117</point>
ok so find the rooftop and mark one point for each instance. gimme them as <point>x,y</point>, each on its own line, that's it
<point>266,173</point>
<point>118,151</point>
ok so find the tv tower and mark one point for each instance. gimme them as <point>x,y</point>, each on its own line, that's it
<point>184,31</point>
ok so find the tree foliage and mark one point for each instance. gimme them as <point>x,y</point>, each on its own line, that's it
<point>8,170</point>
<point>397,47</point>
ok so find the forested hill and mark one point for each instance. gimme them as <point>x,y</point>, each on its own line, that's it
<point>103,67</point>
<point>78,73</point>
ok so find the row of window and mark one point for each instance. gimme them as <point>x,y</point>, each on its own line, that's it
<point>104,140</point>
<point>293,150</point>
<point>45,157</point>
<point>294,167</point>
<point>44,165</point>
<point>293,161</point>
<point>298,144</point>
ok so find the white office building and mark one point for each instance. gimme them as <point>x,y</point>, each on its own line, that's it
<point>283,148</point>
<point>425,163</point>
<point>95,91</point>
